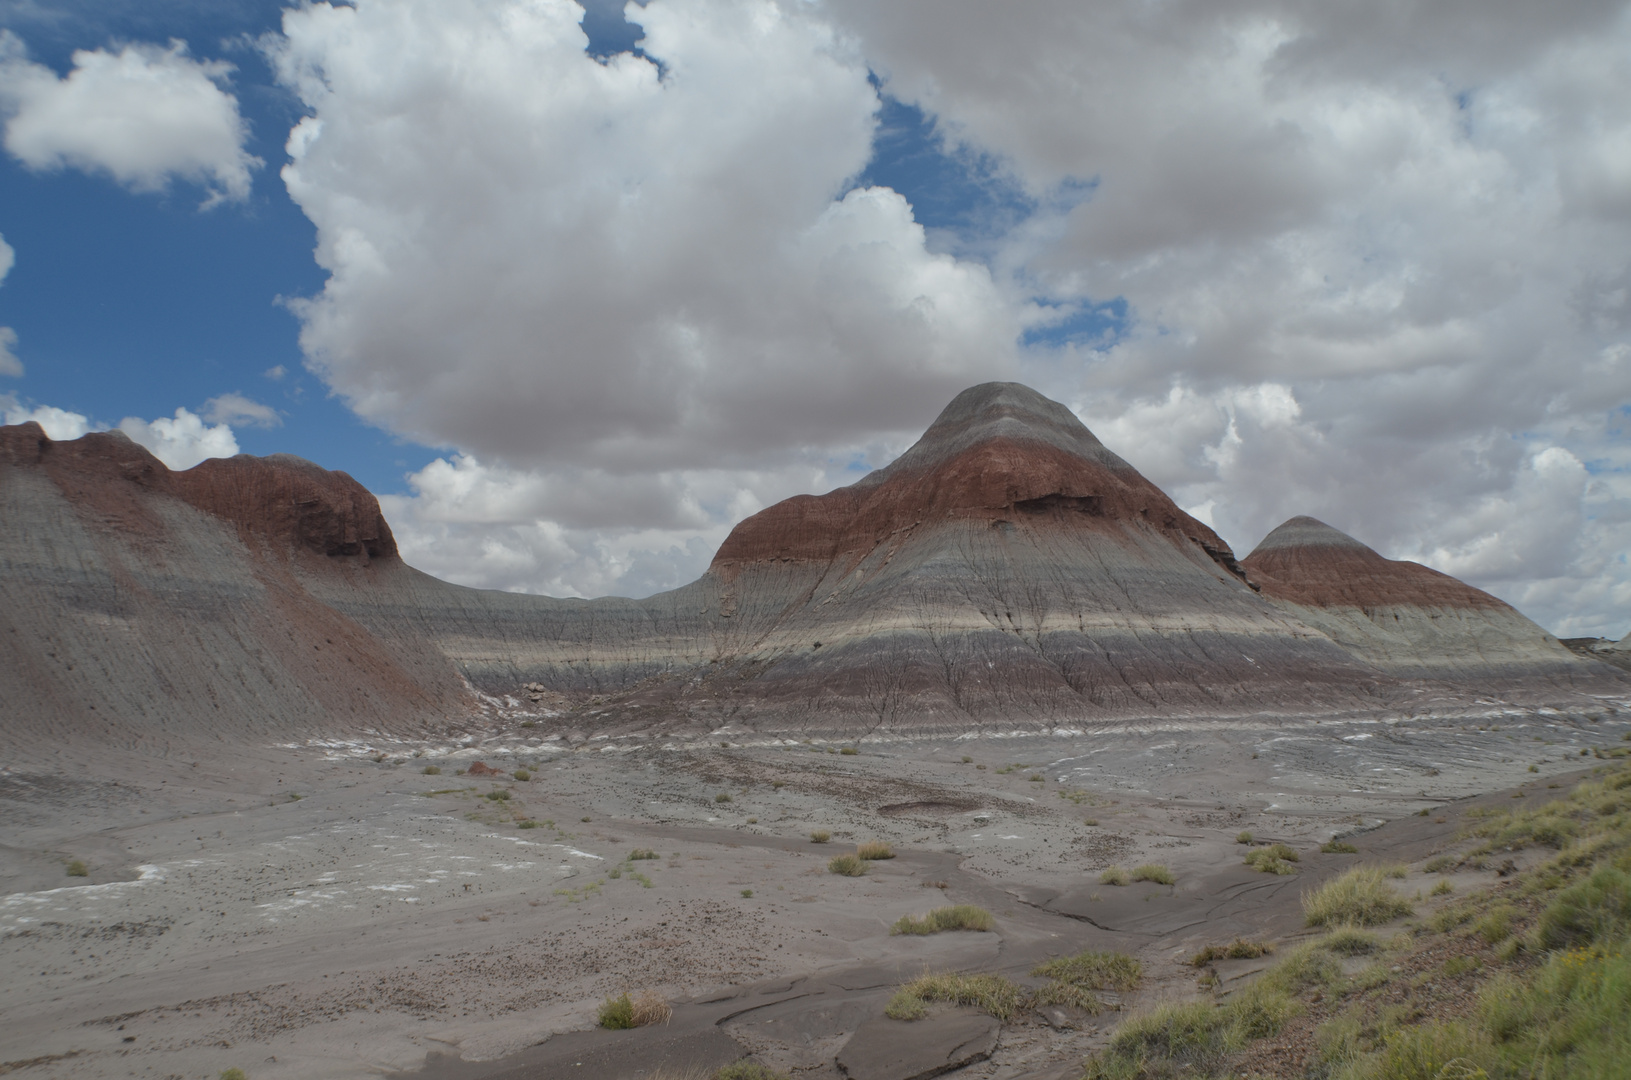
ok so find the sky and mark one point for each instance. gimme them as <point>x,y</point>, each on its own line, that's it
<point>574,291</point>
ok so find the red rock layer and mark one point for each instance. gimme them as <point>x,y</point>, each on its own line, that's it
<point>1306,561</point>
<point>1004,476</point>
<point>279,498</point>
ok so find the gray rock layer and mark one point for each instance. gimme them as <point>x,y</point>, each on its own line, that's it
<point>1007,571</point>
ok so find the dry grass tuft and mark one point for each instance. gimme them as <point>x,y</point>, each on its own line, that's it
<point>846,865</point>
<point>953,917</point>
<point>1361,897</point>
<point>820,836</point>
<point>875,849</point>
<point>1238,949</point>
<point>1156,872</point>
<point>1115,875</point>
<point>1093,970</point>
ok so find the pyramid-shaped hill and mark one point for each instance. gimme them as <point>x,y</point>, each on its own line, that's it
<point>1399,616</point>
<point>1007,569</point>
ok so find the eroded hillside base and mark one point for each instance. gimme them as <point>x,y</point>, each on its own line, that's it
<point>331,910</point>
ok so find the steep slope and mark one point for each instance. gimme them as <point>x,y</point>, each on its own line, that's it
<point>142,608</point>
<point>1401,617</point>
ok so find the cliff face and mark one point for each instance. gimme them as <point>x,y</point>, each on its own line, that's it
<point>1006,571</point>
<point>1400,617</point>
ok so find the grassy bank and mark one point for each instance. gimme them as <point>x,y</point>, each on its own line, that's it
<point>1529,978</point>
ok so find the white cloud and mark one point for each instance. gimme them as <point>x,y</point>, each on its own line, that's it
<point>276,372</point>
<point>181,442</point>
<point>143,115</point>
<point>59,424</point>
<point>1410,225</point>
<point>542,259</point>
<point>9,364</point>
<point>235,409</point>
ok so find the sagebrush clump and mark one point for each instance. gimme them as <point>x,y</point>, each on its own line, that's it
<point>846,866</point>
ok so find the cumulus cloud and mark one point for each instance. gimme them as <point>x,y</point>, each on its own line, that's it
<point>183,441</point>
<point>235,409</point>
<point>59,424</point>
<point>1376,265</point>
<point>143,115</point>
<point>544,259</point>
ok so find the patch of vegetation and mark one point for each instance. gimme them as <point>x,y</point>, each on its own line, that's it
<point>941,919</point>
<point>990,993</point>
<point>875,849</point>
<point>1114,875</point>
<point>723,797</point>
<point>1529,978</point>
<point>820,836</point>
<point>640,853</point>
<point>498,796</point>
<point>1441,864</point>
<point>1273,859</point>
<point>522,775</point>
<point>432,770</point>
<point>623,1012</point>
<point>1443,888</point>
<point>1243,838</point>
<point>748,1069</point>
<point>234,1073</point>
<point>905,1006</point>
<point>1238,949</point>
<point>967,760</point>
<point>1338,847</point>
<point>1156,872</point>
<point>528,824</point>
<point>1360,897</point>
<point>846,865</point>
<point>1094,970</point>
<point>77,868</point>
<point>849,751</point>
<point>747,894</point>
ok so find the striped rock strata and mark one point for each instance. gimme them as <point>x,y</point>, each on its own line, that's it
<point>1397,616</point>
<point>1007,571</point>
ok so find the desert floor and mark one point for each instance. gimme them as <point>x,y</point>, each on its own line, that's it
<point>328,910</point>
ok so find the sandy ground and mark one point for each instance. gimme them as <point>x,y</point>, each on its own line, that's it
<point>312,911</point>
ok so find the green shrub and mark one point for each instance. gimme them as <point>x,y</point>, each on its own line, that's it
<point>1189,1037</point>
<point>941,919</point>
<point>849,751</point>
<point>1156,872</point>
<point>820,836</point>
<point>875,849</point>
<point>522,775</point>
<point>234,1073</point>
<point>641,853</point>
<point>498,796</point>
<point>747,894</point>
<point>1238,949</point>
<point>722,797</point>
<point>1443,888</point>
<point>1440,864</point>
<point>528,824</point>
<point>1361,897</point>
<point>1243,838</point>
<point>78,869</point>
<point>1350,941</point>
<point>617,1014</point>
<point>846,865</point>
<point>432,770</point>
<point>1115,875</point>
<point>1095,970</point>
<point>1338,847</point>
<point>1596,909</point>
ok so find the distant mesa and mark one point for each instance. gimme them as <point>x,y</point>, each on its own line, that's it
<point>1007,572</point>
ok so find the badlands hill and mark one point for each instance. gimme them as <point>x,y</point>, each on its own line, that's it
<point>1006,571</point>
